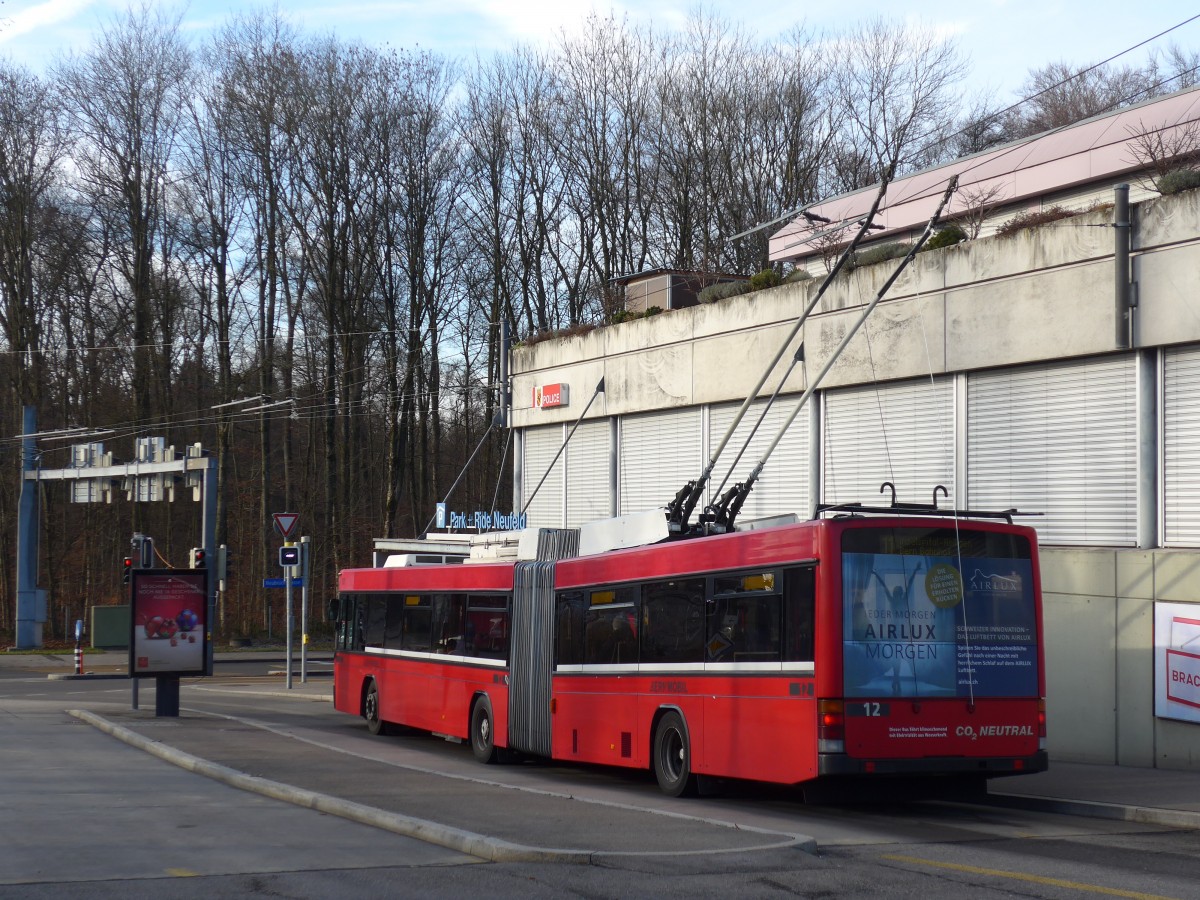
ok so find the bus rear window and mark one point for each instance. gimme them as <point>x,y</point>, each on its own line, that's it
<point>930,612</point>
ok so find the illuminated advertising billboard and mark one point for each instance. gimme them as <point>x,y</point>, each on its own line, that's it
<point>1177,661</point>
<point>168,617</point>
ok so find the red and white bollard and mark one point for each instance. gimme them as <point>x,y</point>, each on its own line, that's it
<point>79,646</point>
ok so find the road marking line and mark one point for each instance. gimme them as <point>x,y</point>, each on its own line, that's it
<point>1022,876</point>
<point>182,873</point>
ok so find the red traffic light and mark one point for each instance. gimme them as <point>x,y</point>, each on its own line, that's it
<point>197,557</point>
<point>127,568</point>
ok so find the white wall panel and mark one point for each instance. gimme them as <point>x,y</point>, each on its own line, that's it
<point>589,494</point>
<point>783,485</point>
<point>546,510</point>
<point>1181,447</point>
<point>902,432</point>
<point>1061,440</point>
<point>659,452</point>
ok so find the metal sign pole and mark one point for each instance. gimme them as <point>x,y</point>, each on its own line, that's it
<point>304,549</point>
<point>291,621</point>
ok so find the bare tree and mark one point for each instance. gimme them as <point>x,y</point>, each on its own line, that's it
<point>975,205</point>
<point>780,137</point>
<point>32,144</point>
<point>257,57</point>
<point>895,85</point>
<point>125,99</point>
<point>605,94</point>
<point>1156,151</point>
<point>1060,94</point>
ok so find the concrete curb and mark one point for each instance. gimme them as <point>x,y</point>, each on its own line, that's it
<point>468,842</point>
<point>1144,815</point>
<point>86,676</point>
<point>291,695</point>
<point>431,832</point>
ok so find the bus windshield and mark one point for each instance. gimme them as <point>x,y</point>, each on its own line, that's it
<point>935,612</point>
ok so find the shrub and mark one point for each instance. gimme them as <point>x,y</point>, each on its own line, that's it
<point>881,253</point>
<point>1178,180</point>
<point>797,275</point>
<point>946,237</point>
<point>651,311</point>
<point>721,291</point>
<point>555,333</point>
<point>1033,219</point>
<point>767,278</point>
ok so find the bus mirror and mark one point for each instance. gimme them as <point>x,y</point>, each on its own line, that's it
<point>331,612</point>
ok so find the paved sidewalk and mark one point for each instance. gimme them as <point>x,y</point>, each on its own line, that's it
<point>1151,796</point>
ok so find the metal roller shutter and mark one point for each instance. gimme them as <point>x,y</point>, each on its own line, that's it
<point>1061,440</point>
<point>900,432</point>
<point>1181,447</point>
<point>783,485</point>
<point>589,495</point>
<point>659,452</point>
<point>546,510</point>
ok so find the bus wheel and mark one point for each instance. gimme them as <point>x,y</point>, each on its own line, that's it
<point>375,725</point>
<point>672,757</point>
<point>483,736</point>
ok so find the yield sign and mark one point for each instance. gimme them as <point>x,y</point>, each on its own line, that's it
<point>285,523</point>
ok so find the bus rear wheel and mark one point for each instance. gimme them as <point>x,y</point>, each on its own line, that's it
<point>375,725</point>
<point>483,734</point>
<point>673,757</point>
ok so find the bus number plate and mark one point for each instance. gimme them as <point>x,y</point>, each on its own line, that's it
<point>870,708</point>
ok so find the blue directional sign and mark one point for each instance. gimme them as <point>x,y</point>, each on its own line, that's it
<point>298,581</point>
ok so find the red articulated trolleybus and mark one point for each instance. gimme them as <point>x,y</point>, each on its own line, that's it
<point>867,642</point>
<point>855,644</point>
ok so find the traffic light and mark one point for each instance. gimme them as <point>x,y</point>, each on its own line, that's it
<point>197,557</point>
<point>289,556</point>
<point>127,571</point>
<point>143,551</point>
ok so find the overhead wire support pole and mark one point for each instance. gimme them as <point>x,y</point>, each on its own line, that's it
<point>734,503</point>
<point>501,419</point>
<point>550,468</point>
<point>680,509</point>
<point>466,466</point>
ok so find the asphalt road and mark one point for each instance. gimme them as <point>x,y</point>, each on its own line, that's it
<point>86,815</point>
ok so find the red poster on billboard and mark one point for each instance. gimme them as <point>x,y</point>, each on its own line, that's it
<point>168,615</point>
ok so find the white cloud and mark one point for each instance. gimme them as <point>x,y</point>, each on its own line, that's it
<point>41,15</point>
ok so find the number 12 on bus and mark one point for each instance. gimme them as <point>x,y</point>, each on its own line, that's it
<point>801,654</point>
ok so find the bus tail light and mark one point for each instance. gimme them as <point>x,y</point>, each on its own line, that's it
<point>831,726</point>
<point>1041,720</point>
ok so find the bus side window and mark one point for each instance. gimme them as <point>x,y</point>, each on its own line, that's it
<point>610,635</point>
<point>450,624</point>
<point>375,620</point>
<point>394,629</point>
<point>486,633</point>
<point>569,613</point>
<point>418,622</point>
<point>346,616</point>
<point>744,628</point>
<point>799,595</point>
<point>673,621</point>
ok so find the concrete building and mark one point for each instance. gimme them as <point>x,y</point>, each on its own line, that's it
<point>1013,371</point>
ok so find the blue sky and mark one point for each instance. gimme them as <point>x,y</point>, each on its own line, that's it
<point>1002,38</point>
